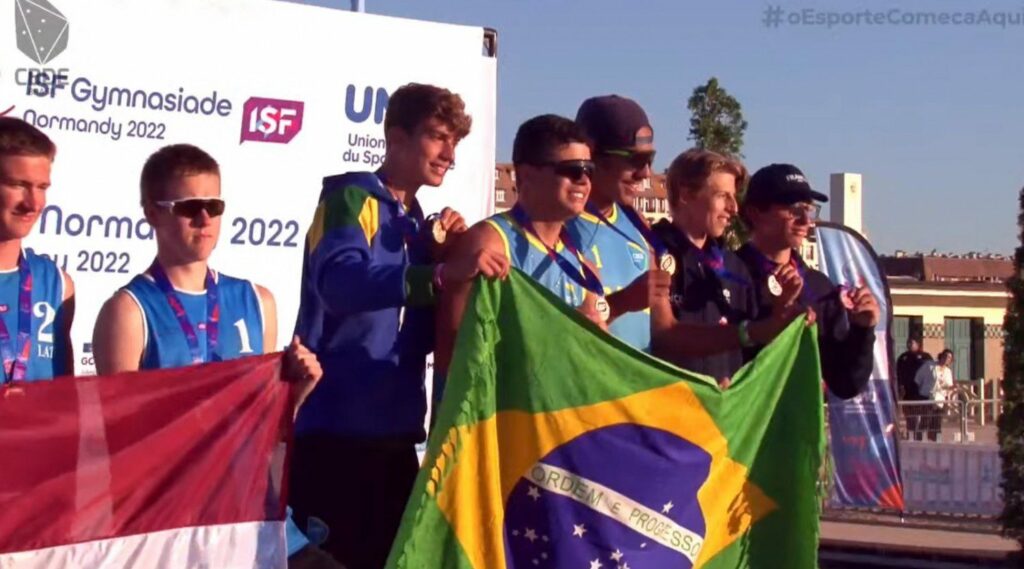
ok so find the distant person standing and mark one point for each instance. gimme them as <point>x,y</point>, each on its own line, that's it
<point>934,381</point>
<point>907,366</point>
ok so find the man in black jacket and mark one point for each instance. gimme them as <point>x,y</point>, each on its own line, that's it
<point>779,208</point>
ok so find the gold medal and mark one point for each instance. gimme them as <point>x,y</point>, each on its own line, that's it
<point>667,263</point>
<point>438,231</point>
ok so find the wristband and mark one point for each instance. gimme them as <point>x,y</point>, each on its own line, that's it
<point>438,283</point>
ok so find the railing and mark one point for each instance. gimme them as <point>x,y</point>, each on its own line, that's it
<point>967,415</point>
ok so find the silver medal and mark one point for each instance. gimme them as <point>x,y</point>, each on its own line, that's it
<point>774,286</point>
<point>667,263</point>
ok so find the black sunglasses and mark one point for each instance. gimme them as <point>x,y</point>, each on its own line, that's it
<point>192,207</point>
<point>636,160</point>
<point>573,170</point>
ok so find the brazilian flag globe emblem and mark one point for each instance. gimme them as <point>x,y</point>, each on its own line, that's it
<point>556,445</point>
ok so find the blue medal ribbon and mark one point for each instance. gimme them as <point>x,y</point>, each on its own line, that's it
<point>584,276</point>
<point>16,358</point>
<point>212,313</point>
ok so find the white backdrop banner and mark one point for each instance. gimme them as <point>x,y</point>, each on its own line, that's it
<point>280,94</point>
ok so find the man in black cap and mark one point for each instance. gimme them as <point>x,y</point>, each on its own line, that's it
<point>780,211</point>
<point>612,235</point>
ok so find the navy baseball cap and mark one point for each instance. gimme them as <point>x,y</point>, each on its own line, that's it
<point>780,184</point>
<point>611,122</point>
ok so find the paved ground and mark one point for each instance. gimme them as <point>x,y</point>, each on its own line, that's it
<point>868,539</point>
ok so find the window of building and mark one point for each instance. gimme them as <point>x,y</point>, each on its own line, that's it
<point>966,338</point>
<point>500,196</point>
<point>904,327</point>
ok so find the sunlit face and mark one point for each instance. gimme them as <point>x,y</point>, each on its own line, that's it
<point>426,154</point>
<point>782,226</point>
<point>187,236</point>
<point>558,189</point>
<point>711,208</point>
<point>620,175</point>
<point>23,184</point>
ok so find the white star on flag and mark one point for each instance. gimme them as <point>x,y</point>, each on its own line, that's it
<point>533,493</point>
<point>579,530</point>
<point>667,507</point>
<point>624,566</point>
<point>617,556</point>
<point>595,564</point>
<point>530,535</point>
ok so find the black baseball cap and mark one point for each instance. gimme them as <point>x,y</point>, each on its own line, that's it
<point>611,122</point>
<point>781,184</point>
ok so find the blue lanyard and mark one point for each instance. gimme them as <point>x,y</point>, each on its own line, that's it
<point>714,259</point>
<point>583,276</point>
<point>212,313</point>
<point>16,358</point>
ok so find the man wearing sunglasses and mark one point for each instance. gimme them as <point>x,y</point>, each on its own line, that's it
<point>180,312</point>
<point>553,169</point>
<point>780,211</point>
<point>612,235</point>
<point>37,297</point>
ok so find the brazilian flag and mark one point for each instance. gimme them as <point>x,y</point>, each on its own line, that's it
<point>558,446</point>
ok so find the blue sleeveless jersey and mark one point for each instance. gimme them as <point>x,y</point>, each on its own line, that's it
<point>529,255</point>
<point>620,258</point>
<point>47,359</point>
<point>241,322</point>
<point>240,335</point>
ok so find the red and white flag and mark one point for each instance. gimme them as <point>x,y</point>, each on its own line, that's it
<point>172,468</point>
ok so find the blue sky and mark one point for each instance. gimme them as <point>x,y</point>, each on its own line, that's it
<point>931,115</point>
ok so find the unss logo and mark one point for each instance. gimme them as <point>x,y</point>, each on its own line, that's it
<point>618,496</point>
<point>361,104</point>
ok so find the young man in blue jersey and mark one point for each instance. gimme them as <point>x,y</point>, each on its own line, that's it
<point>369,283</point>
<point>612,235</point>
<point>143,326</point>
<point>36,297</point>
<point>553,170</point>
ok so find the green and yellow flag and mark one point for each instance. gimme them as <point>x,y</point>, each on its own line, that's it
<point>558,446</point>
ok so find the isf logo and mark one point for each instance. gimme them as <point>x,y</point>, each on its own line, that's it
<point>271,120</point>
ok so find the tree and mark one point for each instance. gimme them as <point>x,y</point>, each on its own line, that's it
<point>1011,422</point>
<point>717,124</point>
<point>716,121</point>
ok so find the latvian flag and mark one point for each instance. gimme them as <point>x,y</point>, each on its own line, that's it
<point>175,468</point>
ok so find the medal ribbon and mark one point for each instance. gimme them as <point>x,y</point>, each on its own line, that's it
<point>583,276</point>
<point>212,312</point>
<point>16,359</point>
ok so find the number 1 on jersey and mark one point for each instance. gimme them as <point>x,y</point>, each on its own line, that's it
<point>243,334</point>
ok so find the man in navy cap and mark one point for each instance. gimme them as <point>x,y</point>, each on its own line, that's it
<point>780,211</point>
<point>612,235</point>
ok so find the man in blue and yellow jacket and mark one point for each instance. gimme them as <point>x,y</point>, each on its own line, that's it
<point>369,279</point>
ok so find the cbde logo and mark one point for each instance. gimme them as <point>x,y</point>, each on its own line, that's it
<point>374,101</point>
<point>271,120</point>
<point>41,29</point>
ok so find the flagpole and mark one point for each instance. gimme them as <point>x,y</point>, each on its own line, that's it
<point>358,5</point>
